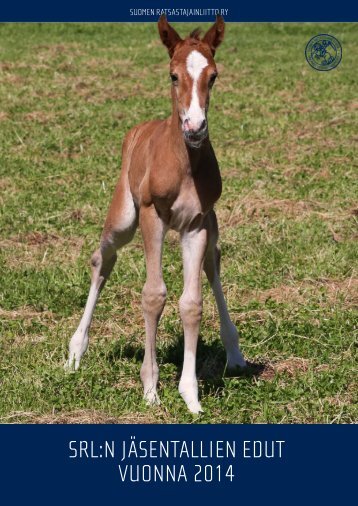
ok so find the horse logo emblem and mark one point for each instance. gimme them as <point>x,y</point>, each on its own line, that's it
<point>323,52</point>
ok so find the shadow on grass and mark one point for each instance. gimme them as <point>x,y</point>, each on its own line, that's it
<point>211,361</point>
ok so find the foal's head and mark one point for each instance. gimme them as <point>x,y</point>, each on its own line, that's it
<point>193,73</point>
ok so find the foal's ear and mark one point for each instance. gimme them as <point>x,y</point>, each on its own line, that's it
<point>169,36</point>
<point>215,35</point>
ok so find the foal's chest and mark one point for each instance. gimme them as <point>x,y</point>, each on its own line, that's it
<point>187,210</point>
<point>183,194</point>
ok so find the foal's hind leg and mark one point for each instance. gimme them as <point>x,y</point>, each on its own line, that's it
<point>228,331</point>
<point>102,263</point>
<point>119,229</point>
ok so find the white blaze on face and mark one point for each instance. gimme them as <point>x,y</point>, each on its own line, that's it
<point>195,63</point>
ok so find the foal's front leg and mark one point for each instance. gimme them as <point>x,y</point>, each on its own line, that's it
<point>153,296</point>
<point>191,305</point>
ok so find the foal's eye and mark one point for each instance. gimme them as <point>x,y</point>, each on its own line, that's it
<point>174,78</point>
<point>212,79</point>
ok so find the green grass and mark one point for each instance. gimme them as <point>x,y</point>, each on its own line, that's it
<point>285,137</point>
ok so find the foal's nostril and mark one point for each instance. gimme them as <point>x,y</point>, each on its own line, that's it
<point>192,128</point>
<point>203,125</point>
<point>186,125</point>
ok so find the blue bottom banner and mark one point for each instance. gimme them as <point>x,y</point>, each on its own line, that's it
<point>169,464</point>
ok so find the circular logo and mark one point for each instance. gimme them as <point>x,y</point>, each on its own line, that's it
<point>323,52</point>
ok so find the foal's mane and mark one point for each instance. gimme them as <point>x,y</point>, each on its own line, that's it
<point>195,34</point>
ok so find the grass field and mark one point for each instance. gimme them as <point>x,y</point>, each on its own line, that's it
<point>285,137</point>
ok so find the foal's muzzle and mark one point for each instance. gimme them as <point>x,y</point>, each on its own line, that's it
<point>195,137</point>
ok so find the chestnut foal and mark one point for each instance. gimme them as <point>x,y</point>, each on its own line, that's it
<point>170,179</point>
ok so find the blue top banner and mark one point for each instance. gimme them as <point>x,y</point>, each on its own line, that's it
<point>184,10</point>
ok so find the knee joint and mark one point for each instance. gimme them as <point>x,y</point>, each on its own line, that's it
<point>190,307</point>
<point>102,262</point>
<point>153,299</point>
<point>96,260</point>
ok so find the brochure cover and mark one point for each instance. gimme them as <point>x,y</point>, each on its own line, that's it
<point>178,253</point>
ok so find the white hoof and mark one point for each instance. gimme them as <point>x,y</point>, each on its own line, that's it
<point>72,364</point>
<point>151,398</point>
<point>78,346</point>
<point>190,396</point>
<point>194,407</point>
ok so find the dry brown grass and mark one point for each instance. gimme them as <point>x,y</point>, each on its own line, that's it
<point>290,366</point>
<point>47,52</point>
<point>4,116</point>
<point>255,207</point>
<point>41,117</point>
<point>37,249</point>
<point>24,313</point>
<point>84,416</point>
<point>7,186</point>
<point>345,290</point>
